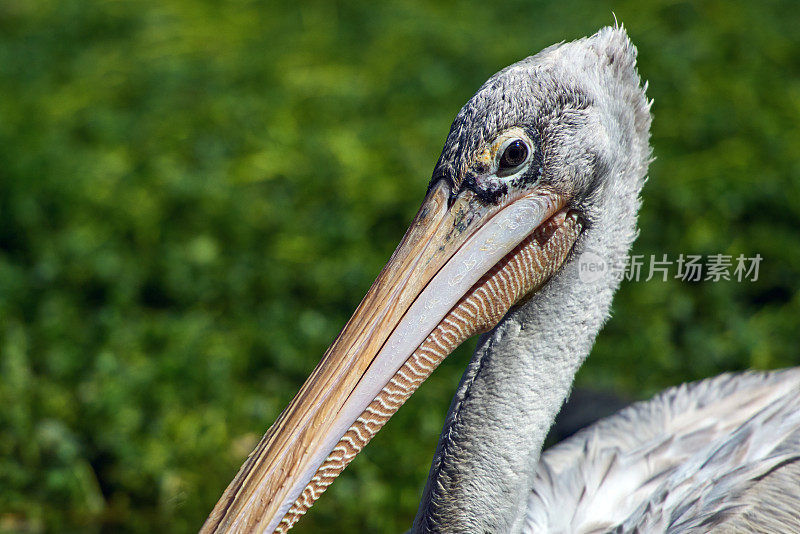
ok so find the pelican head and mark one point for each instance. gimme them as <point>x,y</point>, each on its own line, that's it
<point>538,160</point>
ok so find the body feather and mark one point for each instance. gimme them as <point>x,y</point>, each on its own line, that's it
<point>720,455</point>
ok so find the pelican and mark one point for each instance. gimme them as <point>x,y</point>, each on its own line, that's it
<point>541,167</point>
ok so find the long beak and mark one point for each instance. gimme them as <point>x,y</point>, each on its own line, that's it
<point>456,272</point>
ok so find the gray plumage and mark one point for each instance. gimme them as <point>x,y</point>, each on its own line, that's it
<point>718,455</point>
<point>695,458</point>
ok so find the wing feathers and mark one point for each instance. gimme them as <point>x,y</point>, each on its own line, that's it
<point>701,456</point>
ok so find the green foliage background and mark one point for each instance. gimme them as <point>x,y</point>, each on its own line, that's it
<point>194,196</point>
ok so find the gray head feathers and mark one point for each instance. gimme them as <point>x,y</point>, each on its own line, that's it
<point>557,94</point>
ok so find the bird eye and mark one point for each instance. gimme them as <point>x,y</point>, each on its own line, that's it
<point>513,156</point>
